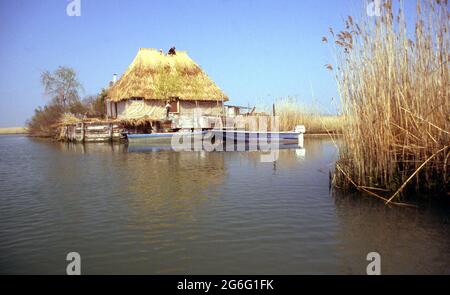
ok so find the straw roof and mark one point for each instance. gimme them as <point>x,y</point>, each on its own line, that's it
<point>155,75</point>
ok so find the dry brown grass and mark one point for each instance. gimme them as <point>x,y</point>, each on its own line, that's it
<point>394,85</point>
<point>13,130</point>
<point>68,118</point>
<point>291,113</point>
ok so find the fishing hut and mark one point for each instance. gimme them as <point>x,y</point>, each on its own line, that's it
<point>164,92</point>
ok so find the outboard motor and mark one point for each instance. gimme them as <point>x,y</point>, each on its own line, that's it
<point>300,129</point>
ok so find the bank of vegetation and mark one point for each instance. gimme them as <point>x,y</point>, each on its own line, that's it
<point>63,90</point>
<point>292,112</point>
<point>13,130</point>
<point>393,78</point>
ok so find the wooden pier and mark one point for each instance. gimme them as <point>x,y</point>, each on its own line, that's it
<point>91,132</point>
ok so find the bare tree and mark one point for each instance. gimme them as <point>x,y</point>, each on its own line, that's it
<point>62,86</point>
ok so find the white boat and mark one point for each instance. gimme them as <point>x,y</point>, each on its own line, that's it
<point>227,135</point>
<point>260,136</point>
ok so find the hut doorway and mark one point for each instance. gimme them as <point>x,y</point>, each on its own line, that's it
<point>174,106</point>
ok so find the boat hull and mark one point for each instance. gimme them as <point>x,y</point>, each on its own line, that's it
<point>225,135</point>
<point>256,136</point>
<point>156,138</point>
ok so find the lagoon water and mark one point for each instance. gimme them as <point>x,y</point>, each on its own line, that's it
<point>130,210</point>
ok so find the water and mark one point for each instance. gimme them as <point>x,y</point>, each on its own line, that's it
<point>132,211</point>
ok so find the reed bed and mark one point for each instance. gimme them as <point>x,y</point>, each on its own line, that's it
<point>291,112</point>
<point>13,130</point>
<point>393,81</point>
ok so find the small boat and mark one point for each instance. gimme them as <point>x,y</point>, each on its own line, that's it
<point>260,136</point>
<point>227,135</point>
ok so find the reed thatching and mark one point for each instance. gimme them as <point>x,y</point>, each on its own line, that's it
<point>135,122</point>
<point>68,119</point>
<point>155,75</point>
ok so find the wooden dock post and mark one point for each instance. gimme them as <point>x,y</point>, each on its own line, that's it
<point>111,131</point>
<point>82,132</point>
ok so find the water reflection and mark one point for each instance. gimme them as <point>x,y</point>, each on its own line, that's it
<point>172,183</point>
<point>77,148</point>
<point>145,147</point>
<point>300,153</point>
<point>410,241</point>
<point>150,210</point>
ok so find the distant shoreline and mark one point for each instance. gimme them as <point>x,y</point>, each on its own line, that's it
<point>13,130</point>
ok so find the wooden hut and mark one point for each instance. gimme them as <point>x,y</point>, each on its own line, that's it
<point>155,79</point>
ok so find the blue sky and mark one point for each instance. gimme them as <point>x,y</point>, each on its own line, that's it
<point>256,51</point>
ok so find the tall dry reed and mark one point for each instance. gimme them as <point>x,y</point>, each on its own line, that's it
<point>291,112</point>
<point>394,85</point>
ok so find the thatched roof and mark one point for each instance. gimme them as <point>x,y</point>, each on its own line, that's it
<point>156,75</point>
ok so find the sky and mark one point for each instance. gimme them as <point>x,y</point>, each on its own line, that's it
<point>255,51</point>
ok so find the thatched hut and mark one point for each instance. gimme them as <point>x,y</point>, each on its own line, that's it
<point>154,79</point>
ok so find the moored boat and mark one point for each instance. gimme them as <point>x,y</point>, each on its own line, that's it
<point>261,136</point>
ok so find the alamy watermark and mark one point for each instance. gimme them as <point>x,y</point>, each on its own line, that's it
<point>241,133</point>
<point>374,8</point>
<point>374,267</point>
<point>74,265</point>
<point>74,8</point>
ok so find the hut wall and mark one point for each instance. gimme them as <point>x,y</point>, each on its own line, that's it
<point>208,108</point>
<point>135,109</point>
<point>111,109</point>
<point>108,108</point>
